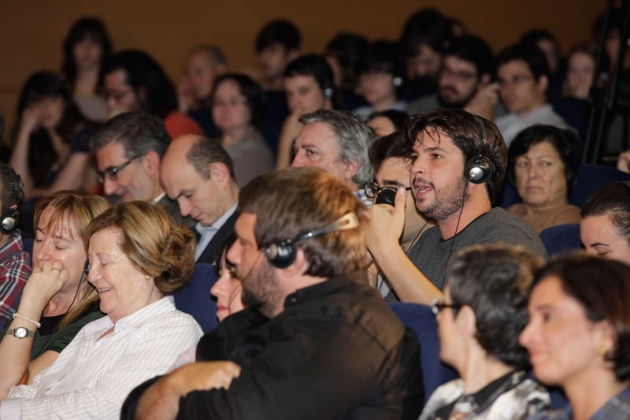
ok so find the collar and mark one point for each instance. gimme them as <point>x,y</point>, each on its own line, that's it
<point>327,287</point>
<point>157,199</point>
<point>218,223</point>
<point>134,320</point>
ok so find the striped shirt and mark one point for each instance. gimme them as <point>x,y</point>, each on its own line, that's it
<point>93,375</point>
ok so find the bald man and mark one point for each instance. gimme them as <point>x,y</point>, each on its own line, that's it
<point>198,174</point>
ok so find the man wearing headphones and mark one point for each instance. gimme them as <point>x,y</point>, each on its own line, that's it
<point>458,166</point>
<point>315,341</point>
<point>15,268</point>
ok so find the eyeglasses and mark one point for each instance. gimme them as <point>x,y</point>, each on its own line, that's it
<point>111,173</point>
<point>438,305</point>
<point>372,190</point>
<point>516,80</point>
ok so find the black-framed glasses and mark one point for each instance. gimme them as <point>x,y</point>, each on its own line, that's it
<point>438,305</point>
<point>111,173</point>
<point>372,190</point>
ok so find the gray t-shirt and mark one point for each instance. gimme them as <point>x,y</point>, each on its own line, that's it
<point>431,254</point>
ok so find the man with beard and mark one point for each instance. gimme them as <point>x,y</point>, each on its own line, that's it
<point>464,81</point>
<point>457,172</point>
<point>315,342</point>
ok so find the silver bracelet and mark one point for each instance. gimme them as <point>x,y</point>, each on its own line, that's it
<point>25,318</point>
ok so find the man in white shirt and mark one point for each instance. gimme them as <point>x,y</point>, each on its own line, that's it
<point>198,174</point>
<point>523,77</point>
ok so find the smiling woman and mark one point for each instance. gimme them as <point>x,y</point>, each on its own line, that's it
<point>542,165</point>
<point>137,255</point>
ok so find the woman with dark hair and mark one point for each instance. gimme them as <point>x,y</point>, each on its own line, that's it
<point>308,83</point>
<point>387,122</point>
<point>51,151</point>
<point>605,223</point>
<point>237,111</point>
<point>344,54</point>
<point>379,77</point>
<point>84,49</point>
<point>542,166</point>
<point>479,322</point>
<point>578,335</point>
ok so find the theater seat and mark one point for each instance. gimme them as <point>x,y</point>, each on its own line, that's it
<point>561,238</point>
<point>591,178</point>
<point>420,319</point>
<point>195,299</point>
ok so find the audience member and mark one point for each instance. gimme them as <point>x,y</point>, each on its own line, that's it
<point>387,122</point>
<point>56,302</point>
<point>15,267</point>
<point>379,75</point>
<point>84,49</point>
<point>578,335</point>
<point>458,165</point>
<point>425,36</point>
<point>580,70</point>
<point>204,64</point>
<point>542,166</point>
<point>300,254</point>
<point>138,256</point>
<point>197,173</point>
<point>228,289</point>
<point>548,44</point>
<point>465,80</point>
<point>390,157</point>
<point>308,83</point>
<point>133,82</point>
<point>344,53</point>
<point>479,320</point>
<point>277,44</point>
<point>523,76</point>
<point>337,142</point>
<point>237,111</point>
<point>128,149</point>
<point>51,151</point>
<point>605,224</point>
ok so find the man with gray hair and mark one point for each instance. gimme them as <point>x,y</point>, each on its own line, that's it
<point>128,149</point>
<point>337,142</point>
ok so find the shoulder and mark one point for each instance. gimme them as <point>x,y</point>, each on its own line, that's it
<point>444,395</point>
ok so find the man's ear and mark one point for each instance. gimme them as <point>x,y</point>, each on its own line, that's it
<point>299,266</point>
<point>151,161</point>
<point>543,83</point>
<point>467,321</point>
<point>219,172</point>
<point>351,169</point>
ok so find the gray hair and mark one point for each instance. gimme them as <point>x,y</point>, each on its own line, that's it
<point>354,139</point>
<point>138,132</point>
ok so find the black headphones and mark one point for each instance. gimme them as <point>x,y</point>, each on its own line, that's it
<point>8,220</point>
<point>479,167</point>
<point>282,254</point>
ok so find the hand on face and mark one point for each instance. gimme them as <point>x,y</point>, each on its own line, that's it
<point>32,117</point>
<point>44,283</point>
<point>484,101</point>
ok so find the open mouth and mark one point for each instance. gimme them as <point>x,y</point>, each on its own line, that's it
<point>103,289</point>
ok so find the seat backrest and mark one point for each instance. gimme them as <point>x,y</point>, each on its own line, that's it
<point>561,238</point>
<point>591,178</point>
<point>420,319</point>
<point>195,298</point>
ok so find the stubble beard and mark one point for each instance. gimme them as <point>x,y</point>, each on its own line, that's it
<point>447,201</point>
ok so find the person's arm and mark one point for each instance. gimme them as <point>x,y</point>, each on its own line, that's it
<point>71,176</point>
<point>19,157</point>
<point>161,400</point>
<point>382,234</point>
<point>139,355</point>
<point>290,130</point>
<point>15,352</point>
<point>623,164</point>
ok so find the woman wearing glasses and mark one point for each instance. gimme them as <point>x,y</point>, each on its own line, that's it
<point>237,111</point>
<point>479,321</point>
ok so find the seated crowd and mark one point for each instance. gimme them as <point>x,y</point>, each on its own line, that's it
<point>393,177</point>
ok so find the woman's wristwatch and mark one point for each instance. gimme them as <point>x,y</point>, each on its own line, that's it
<point>21,332</point>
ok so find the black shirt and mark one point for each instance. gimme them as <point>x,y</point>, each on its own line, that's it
<point>336,351</point>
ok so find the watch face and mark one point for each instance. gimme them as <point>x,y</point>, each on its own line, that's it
<point>21,332</point>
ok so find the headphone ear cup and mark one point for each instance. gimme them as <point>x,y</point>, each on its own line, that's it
<point>9,221</point>
<point>397,81</point>
<point>328,93</point>
<point>280,254</point>
<point>478,168</point>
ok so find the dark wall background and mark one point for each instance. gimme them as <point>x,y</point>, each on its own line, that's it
<point>31,31</point>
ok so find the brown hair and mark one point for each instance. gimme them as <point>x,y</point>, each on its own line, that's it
<point>152,241</point>
<point>295,201</point>
<point>69,211</point>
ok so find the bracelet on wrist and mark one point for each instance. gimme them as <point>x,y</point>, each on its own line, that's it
<point>25,318</point>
